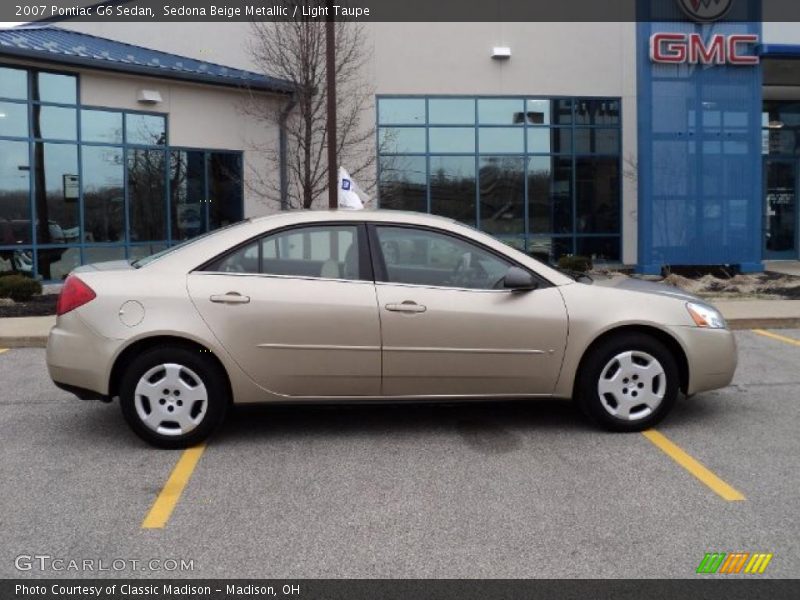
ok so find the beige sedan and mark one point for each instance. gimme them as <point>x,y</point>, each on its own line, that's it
<point>321,306</point>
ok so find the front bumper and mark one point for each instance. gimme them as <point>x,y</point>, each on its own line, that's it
<point>78,358</point>
<point>711,356</point>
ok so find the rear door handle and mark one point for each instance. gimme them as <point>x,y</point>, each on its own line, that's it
<point>408,306</point>
<point>230,298</point>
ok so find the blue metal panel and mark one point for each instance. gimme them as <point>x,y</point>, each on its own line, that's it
<point>699,155</point>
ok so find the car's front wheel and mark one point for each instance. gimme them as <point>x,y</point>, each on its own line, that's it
<point>173,397</point>
<point>628,382</point>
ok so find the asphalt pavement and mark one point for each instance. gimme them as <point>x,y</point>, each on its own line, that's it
<point>490,490</point>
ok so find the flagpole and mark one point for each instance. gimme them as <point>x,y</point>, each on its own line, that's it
<point>330,76</point>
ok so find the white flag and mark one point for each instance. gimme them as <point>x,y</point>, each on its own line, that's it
<point>350,195</point>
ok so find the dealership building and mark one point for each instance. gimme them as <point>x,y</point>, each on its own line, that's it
<point>671,141</point>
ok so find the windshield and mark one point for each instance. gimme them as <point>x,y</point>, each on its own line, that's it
<point>146,260</point>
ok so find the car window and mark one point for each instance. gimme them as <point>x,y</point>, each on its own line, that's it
<point>329,252</point>
<point>424,257</point>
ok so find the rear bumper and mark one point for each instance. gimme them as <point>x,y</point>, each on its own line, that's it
<point>711,355</point>
<point>78,359</point>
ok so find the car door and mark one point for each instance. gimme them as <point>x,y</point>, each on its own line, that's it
<point>296,310</point>
<point>450,328</point>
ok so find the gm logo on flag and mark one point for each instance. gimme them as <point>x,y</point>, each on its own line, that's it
<point>735,562</point>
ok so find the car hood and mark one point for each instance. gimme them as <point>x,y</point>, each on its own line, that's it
<point>111,265</point>
<point>647,287</point>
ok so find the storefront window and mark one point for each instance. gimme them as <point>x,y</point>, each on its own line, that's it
<point>101,126</point>
<point>13,83</point>
<point>148,130</point>
<point>544,173</point>
<point>103,194</point>
<point>14,193</point>
<point>13,119</point>
<point>147,194</point>
<point>54,87</point>
<point>55,122</point>
<point>56,193</point>
<point>224,189</point>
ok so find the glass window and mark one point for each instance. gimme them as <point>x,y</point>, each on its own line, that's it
<point>401,111</point>
<point>453,187</point>
<point>452,139</point>
<point>13,83</point>
<point>141,251</point>
<point>502,194</point>
<point>15,173</point>
<point>243,260</point>
<point>56,193</point>
<point>562,112</point>
<point>501,111</point>
<point>103,194</point>
<point>549,249</point>
<point>146,195</point>
<point>103,254</point>
<point>13,119</point>
<point>54,87</point>
<point>537,112</point>
<point>329,252</point>
<point>423,257</point>
<point>150,130</point>
<point>596,141</point>
<point>224,189</point>
<point>597,111</point>
<point>501,139</point>
<point>550,194</point>
<point>402,140</point>
<point>56,263</point>
<point>55,122</point>
<point>599,249</point>
<point>597,195</point>
<point>545,140</point>
<point>403,183</point>
<point>187,203</point>
<point>102,126</point>
<point>451,111</point>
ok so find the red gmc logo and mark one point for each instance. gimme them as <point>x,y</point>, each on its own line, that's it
<point>683,48</point>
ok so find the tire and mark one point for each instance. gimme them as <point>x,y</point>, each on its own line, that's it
<point>628,382</point>
<point>158,414</point>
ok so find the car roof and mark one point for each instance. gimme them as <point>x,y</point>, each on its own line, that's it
<point>310,216</point>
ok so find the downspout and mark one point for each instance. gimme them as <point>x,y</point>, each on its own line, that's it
<point>283,143</point>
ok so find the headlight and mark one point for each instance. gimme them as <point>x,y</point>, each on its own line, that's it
<point>705,316</point>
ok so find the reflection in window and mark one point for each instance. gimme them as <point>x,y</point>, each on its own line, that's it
<point>103,194</point>
<point>148,130</point>
<point>103,254</point>
<point>13,119</point>
<point>537,112</point>
<point>53,87</point>
<point>102,126</point>
<point>15,224</point>
<point>544,140</point>
<point>55,122</point>
<point>549,249</point>
<point>403,183</point>
<point>224,189</point>
<point>502,194</point>
<point>405,111</point>
<point>451,111</point>
<point>501,111</point>
<point>599,249</point>
<point>596,141</point>
<point>501,139</point>
<point>597,195</point>
<point>146,194</point>
<point>452,139</point>
<point>56,263</point>
<point>56,193</point>
<point>453,187</point>
<point>597,111</point>
<point>187,194</point>
<point>13,83</point>
<point>330,252</point>
<point>550,194</point>
<point>401,140</point>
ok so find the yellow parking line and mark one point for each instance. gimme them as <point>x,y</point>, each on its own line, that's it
<point>775,336</point>
<point>165,503</point>
<point>722,489</point>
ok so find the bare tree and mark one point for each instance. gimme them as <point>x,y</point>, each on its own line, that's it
<point>295,51</point>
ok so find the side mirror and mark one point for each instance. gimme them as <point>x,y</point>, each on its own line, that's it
<point>518,279</point>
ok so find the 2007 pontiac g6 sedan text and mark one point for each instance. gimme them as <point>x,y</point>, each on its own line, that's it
<point>332,306</point>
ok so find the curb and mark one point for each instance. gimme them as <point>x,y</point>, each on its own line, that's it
<point>40,341</point>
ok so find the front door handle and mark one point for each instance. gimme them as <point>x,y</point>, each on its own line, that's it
<point>230,298</point>
<point>409,306</point>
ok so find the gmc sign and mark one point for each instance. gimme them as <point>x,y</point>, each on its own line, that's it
<point>690,48</point>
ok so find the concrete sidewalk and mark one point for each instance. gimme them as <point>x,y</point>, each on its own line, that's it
<point>741,314</point>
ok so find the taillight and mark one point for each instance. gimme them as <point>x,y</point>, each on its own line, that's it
<point>75,293</point>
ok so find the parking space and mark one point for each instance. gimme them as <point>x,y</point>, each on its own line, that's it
<point>469,490</point>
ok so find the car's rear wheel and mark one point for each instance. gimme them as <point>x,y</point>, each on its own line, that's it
<point>628,382</point>
<point>173,397</point>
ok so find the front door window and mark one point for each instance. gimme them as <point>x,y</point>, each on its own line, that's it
<point>780,204</point>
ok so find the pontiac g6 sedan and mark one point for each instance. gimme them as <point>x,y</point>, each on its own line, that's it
<point>333,306</point>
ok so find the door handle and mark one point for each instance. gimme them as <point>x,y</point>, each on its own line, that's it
<point>230,298</point>
<point>409,306</point>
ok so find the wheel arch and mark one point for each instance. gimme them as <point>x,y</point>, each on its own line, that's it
<point>669,341</point>
<point>146,343</point>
